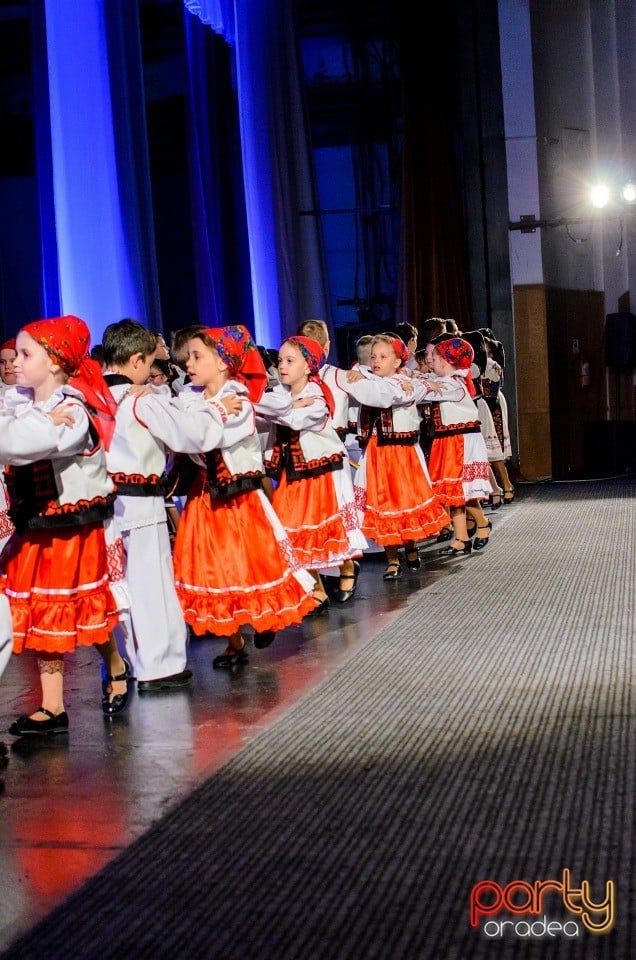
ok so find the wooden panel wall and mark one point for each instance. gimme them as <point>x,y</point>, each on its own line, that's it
<point>554,330</point>
<point>533,395</point>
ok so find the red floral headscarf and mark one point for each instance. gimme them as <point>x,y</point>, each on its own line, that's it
<point>314,354</point>
<point>67,341</point>
<point>8,345</point>
<point>236,348</point>
<point>401,349</point>
<point>460,355</point>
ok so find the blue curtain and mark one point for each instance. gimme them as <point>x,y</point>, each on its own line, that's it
<point>103,240</point>
<point>218,14</point>
<point>286,264</point>
<point>205,181</point>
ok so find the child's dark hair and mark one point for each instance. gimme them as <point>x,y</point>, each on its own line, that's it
<point>406,331</point>
<point>121,340</point>
<point>433,327</point>
<point>164,367</point>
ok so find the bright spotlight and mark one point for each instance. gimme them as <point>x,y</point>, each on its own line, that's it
<point>629,192</point>
<point>600,195</point>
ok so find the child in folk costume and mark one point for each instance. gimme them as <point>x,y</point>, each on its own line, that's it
<point>458,460</point>
<point>234,565</point>
<point>53,428</point>
<point>492,387</point>
<point>393,489</point>
<point>150,423</point>
<point>334,377</point>
<point>314,494</point>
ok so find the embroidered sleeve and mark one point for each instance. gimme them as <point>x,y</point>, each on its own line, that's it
<point>191,428</point>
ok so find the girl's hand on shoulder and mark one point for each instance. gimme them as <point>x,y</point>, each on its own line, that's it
<point>62,416</point>
<point>408,387</point>
<point>140,390</point>
<point>232,402</point>
<point>435,385</point>
<point>353,376</point>
<point>303,402</point>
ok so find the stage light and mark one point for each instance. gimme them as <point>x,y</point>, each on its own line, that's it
<point>600,195</point>
<point>629,192</point>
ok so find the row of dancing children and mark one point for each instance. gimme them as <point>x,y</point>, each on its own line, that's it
<point>95,452</point>
<point>487,378</point>
<point>85,453</point>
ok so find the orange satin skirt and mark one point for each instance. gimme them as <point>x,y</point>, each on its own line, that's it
<point>395,495</point>
<point>310,512</point>
<point>459,472</point>
<point>234,566</point>
<point>56,582</point>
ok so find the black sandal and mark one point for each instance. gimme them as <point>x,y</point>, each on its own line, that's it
<point>446,534</point>
<point>26,727</point>
<point>455,551</point>
<point>231,658</point>
<point>393,571</point>
<point>509,495</point>
<point>343,595</point>
<point>119,701</point>
<point>480,542</point>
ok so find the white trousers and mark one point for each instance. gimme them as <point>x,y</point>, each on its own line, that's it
<point>6,633</point>
<point>152,635</point>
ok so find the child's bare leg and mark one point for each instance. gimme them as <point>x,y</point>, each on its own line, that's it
<point>458,515</point>
<point>51,667</point>
<point>51,717</point>
<point>501,472</point>
<point>393,570</point>
<point>319,590</point>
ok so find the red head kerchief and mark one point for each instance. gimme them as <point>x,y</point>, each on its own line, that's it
<point>460,355</point>
<point>67,340</point>
<point>314,353</point>
<point>236,348</point>
<point>401,350</point>
<point>8,345</point>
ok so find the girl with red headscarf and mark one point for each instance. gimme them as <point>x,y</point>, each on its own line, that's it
<point>305,456</point>
<point>53,428</point>
<point>233,563</point>
<point>393,488</point>
<point>458,459</point>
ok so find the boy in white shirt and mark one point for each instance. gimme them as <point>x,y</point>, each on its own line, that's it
<point>149,424</point>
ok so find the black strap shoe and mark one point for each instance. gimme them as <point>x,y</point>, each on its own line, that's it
<point>26,727</point>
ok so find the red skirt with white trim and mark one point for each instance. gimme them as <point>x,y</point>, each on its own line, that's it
<point>459,468</point>
<point>57,584</point>
<point>394,495</point>
<point>234,565</point>
<point>319,515</point>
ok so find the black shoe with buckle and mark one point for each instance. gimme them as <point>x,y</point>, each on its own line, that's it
<point>119,700</point>
<point>455,551</point>
<point>393,571</point>
<point>172,682</point>
<point>446,534</point>
<point>480,542</point>
<point>26,727</point>
<point>320,609</point>
<point>231,657</point>
<point>343,595</point>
